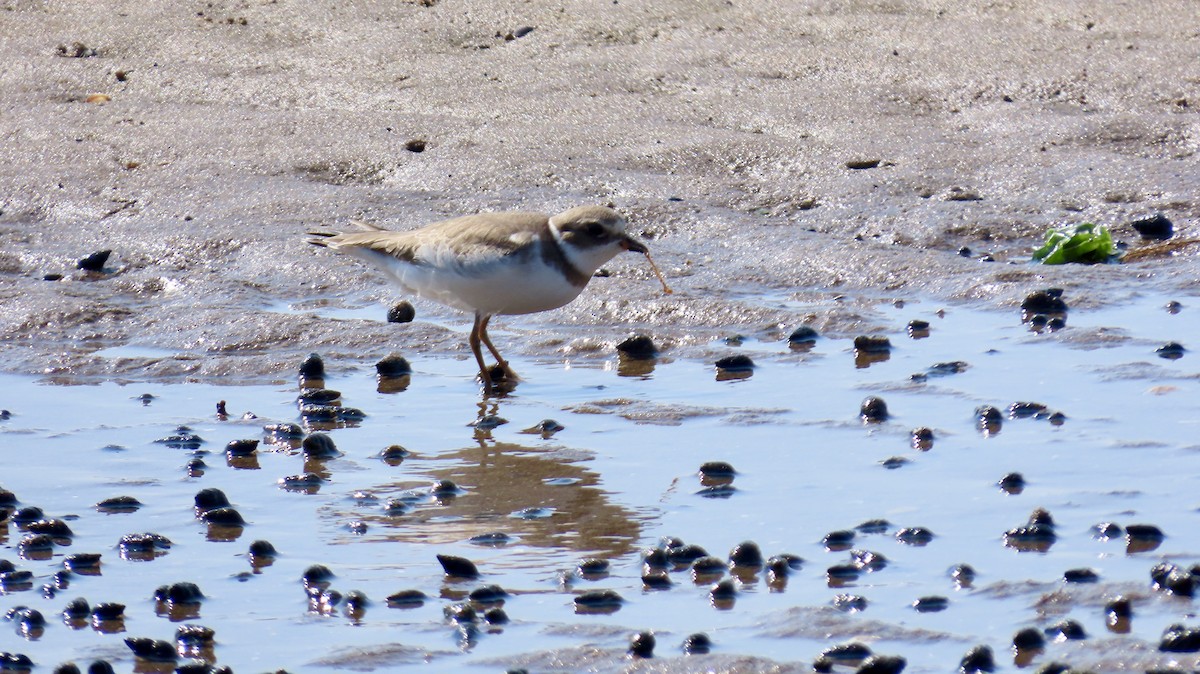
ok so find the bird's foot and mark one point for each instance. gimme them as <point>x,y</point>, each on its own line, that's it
<point>499,379</point>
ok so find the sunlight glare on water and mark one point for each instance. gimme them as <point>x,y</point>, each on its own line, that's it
<point>621,476</point>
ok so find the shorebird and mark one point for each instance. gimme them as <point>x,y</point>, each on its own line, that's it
<point>495,263</point>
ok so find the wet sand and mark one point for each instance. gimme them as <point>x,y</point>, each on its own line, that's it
<point>723,130</point>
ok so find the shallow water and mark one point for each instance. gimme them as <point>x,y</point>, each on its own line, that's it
<point>622,475</point>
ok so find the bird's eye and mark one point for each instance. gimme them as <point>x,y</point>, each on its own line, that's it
<point>596,231</point>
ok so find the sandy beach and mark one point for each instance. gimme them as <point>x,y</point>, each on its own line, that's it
<point>217,133</point>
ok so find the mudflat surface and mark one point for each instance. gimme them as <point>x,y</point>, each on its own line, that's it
<point>225,130</point>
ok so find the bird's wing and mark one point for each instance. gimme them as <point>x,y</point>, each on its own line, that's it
<point>461,242</point>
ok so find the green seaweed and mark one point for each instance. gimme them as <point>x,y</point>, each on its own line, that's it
<point>1088,243</point>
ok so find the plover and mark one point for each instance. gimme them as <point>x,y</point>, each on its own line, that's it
<point>495,263</point>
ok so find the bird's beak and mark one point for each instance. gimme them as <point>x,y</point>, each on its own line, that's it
<point>629,243</point>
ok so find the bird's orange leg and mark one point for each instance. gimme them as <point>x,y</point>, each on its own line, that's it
<point>483,335</point>
<point>477,333</point>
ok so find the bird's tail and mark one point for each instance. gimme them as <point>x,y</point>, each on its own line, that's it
<point>318,238</point>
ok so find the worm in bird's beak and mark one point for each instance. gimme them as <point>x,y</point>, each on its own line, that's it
<point>630,243</point>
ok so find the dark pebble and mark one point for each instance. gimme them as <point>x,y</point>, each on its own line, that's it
<point>356,600</point>
<point>415,145</point>
<point>393,453</point>
<point>317,396</point>
<point>494,539</point>
<point>1156,227</point>
<point>393,365</point>
<point>869,344</point>
<point>963,575</point>
<point>978,659</point>
<point>108,611</point>
<point>921,439</point>
<point>194,636</point>
<point>487,594</point>
<point>842,572</point>
<point>850,602</point>
<point>179,593</point>
<point>875,526</point>
<point>67,668</point>
<point>1029,639</point>
<point>402,312</point>
<point>1173,307</point>
<point>894,462</point>
<point>154,650</point>
<point>1170,351</point>
<point>697,644</point>
<point>406,599</point>
<point>312,367</point>
<point>15,662</point>
<point>1047,301</point>
<point>82,562</point>
<point>27,515</point>
<point>282,433</point>
<point>706,566</point>
<point>638,347</point>
<point>94,262</point>
<point>458,567</point>
<point>1121,607</point>
<point>724,589</point>
<point>931,604</point>
<point>1180,639</point>
<point>873,410</point>
<point>208,499</point>
<point>738,363</point>
<point>684,555</point>
<point>181,440</point>
<point>51,527</point>
<point>1173,579</point>
<point>867,560</point>
<point>262,549</point>
<point>445,489</point>
<point>77,609</point>
<point>33,543</point>
<point>145,542</point>
<point>656,580</point>
<point>918,328</point>
<point>746,554</point>
<point>641,645</point>
<point>862,164</point>
<point>119,504</point>
<point>592,568</point>
<point>1012,483</point>
<point>241,447</point>
<point>7,498</point>
<point>717,469</point>
<point>316,575</point>
<point>495,616</point>
<point>851,654</point>
<point>224,516</point>
<point>838,540</point>
<point>1056,323</point>
<point>948,368</point>
<point>882,664</point>
<point>1081,576</point>
<point>1024,410</point>
<point>988,418</point>
<point>1144,532</point>
<point>1066,630</point>
<point>319,446</point>
<point>914,536</point>
<point>803,335</point>
<point>599,599</point>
